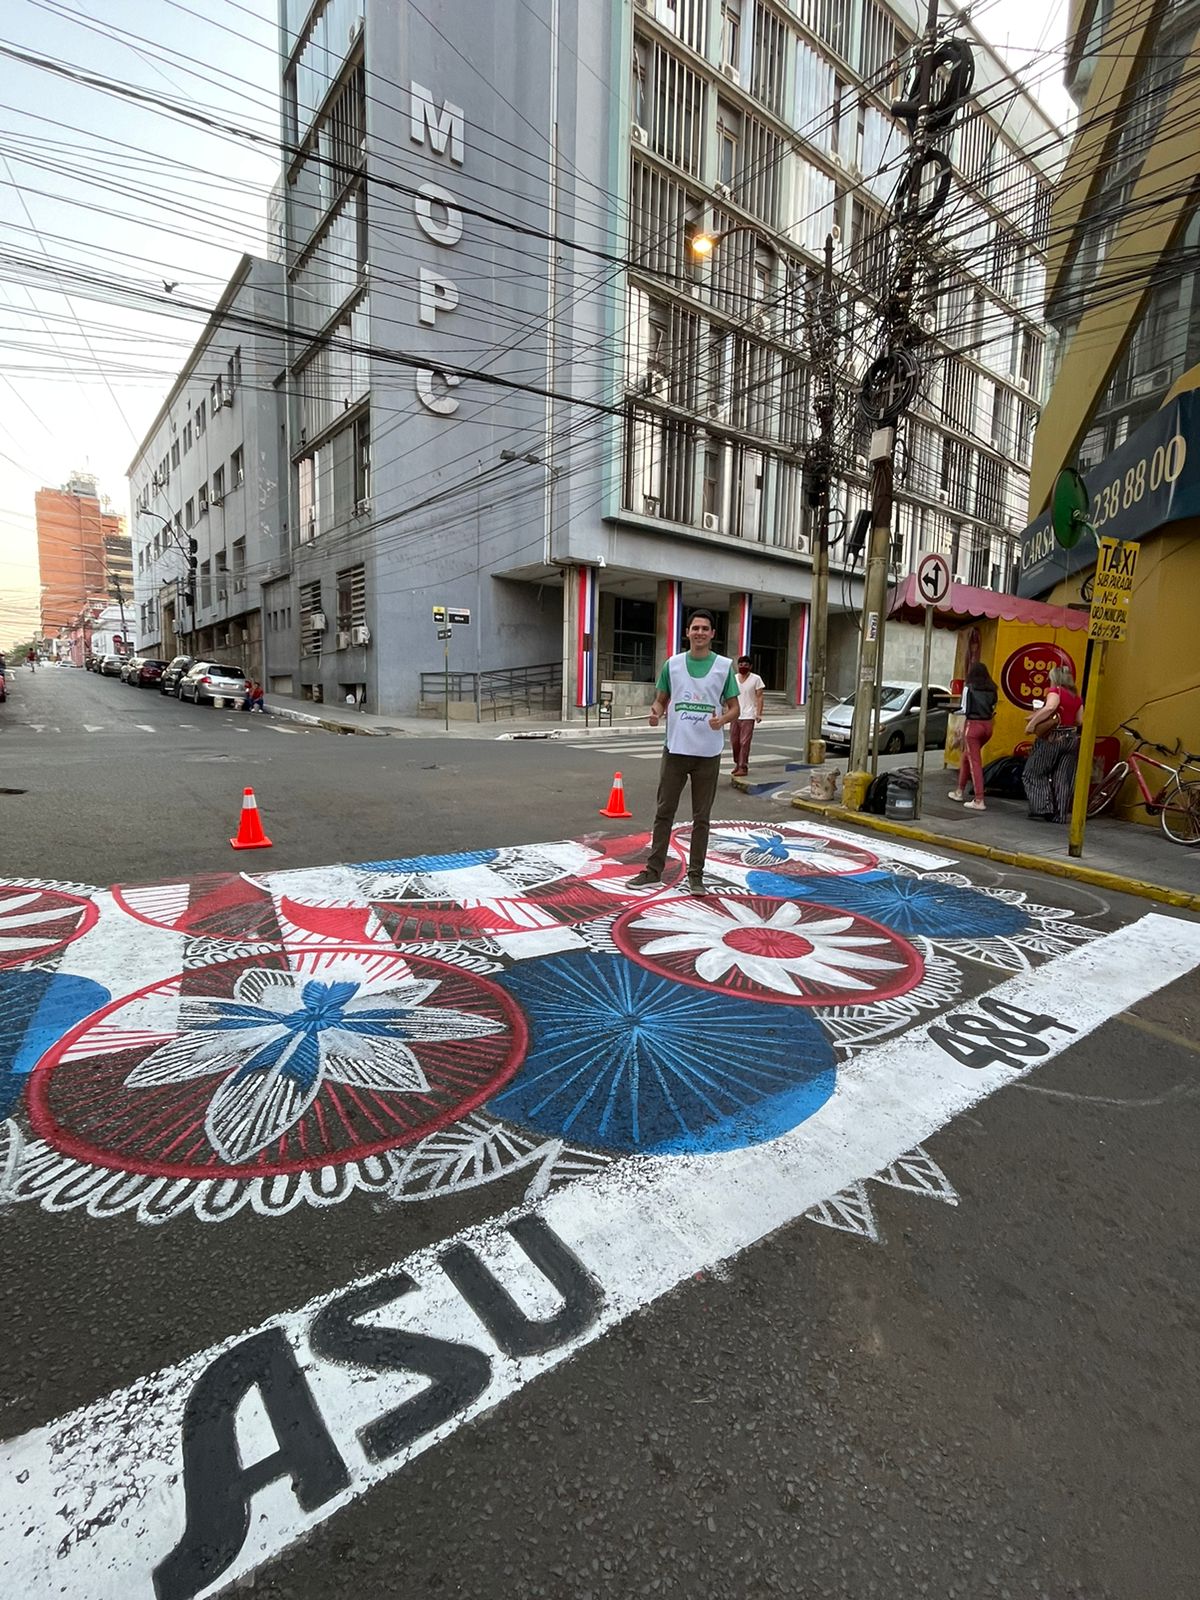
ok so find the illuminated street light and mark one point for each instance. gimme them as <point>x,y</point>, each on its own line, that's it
<point>703,244</point>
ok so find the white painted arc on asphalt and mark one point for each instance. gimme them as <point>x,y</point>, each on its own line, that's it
<point>144,727</point>
<point>93,1502</point>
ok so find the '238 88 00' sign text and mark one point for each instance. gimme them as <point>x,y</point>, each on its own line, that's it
<point>1162,466</point>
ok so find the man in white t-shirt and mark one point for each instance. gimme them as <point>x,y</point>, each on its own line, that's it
<point>750,710</point>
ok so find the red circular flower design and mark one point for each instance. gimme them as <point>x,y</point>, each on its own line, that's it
<point>247,1068</point>
<point>788,952</point>
<point>35,921</point>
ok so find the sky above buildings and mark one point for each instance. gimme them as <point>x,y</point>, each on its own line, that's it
<point>107,198</point>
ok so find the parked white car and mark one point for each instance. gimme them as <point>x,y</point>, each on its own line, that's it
<point>900,705</point>
<point>212,680</point>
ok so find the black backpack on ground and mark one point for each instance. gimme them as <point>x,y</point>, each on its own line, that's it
<point>1003,777</point>
<point>875,799</point>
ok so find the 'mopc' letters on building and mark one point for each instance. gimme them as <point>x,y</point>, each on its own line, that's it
<point>442,131</point>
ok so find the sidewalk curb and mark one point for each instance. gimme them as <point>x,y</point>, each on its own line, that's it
<point>289,715</point>
<point>1012,858</point>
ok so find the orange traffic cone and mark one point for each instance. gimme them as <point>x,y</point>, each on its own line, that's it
<point>250,835</point>
<point>616,799</point>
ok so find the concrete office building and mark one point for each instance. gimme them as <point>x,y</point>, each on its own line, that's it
<point>513,389</point>
<point>209,471</point>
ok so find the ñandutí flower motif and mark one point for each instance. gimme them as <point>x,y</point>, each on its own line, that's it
<point>771,848</point>
<point>283,1034</point>
<point>785,947</point>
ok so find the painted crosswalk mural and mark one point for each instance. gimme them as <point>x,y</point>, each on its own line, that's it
<point>667,1078</point>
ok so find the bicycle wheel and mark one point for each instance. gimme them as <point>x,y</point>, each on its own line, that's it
<point>1103,793</point>
<point>1181,814</point>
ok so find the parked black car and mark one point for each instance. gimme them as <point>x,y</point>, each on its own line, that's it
<point>173,673</point>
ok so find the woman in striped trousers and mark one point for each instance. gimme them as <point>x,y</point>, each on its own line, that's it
<point>1049,775</point>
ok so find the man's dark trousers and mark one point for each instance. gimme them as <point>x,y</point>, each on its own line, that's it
<point>673,774</point>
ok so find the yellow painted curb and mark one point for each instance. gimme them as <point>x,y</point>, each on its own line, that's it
<point>1012,858</point>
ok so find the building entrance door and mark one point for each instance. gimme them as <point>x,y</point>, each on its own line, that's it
<point>768,650</point>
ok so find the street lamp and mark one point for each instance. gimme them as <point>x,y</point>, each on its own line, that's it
<point>702,243</point>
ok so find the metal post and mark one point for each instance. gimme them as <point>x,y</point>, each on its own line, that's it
<point>926,649</point>
<point>446,676</point>
<point>874,597</point>
<point>877,695</point>
<point>1093,671</point>
<point>894,390</point>
<point>120,598</point>
<point>818,634</point>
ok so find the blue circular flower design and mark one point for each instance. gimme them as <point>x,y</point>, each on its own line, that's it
<point>908,906</point>
<point>629,1061</point>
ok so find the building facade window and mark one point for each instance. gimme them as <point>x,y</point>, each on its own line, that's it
<point>312,621</point>
<point>351,599</point>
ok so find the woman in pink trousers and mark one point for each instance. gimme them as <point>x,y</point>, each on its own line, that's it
<point>979,709</point>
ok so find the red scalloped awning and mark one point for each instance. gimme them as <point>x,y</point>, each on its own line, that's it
<point>967,604</point>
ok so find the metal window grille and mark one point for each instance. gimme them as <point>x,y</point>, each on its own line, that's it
<point>677,132</point>
<point>688,18</point>
<point>830,20</point>
<point>758,179</point>
<point>351,598</point>
<point>767,66</point>
<point>662,217</point>
<point>310,608</point>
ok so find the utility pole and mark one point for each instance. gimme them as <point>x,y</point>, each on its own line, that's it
<point>893,381</point>
<point>119,597</point>
<point>824,333</point>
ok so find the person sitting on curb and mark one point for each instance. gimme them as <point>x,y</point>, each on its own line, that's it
<point>692,688</point>
<point>254,697</point>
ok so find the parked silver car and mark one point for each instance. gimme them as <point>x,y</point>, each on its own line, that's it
<point>900,705</point>
<point>213,680</point>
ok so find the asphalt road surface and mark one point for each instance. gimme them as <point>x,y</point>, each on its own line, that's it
<point>919,1318</point>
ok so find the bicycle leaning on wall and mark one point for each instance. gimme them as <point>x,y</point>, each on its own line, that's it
<point>1177,802</point>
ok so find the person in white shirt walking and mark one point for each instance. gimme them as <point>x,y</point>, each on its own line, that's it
<point>698,691</point>
<point>750,689</point>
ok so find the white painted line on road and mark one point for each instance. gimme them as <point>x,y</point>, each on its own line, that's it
<point>93,727</point>
<point>144,726</point>
<point>186,1481</point>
